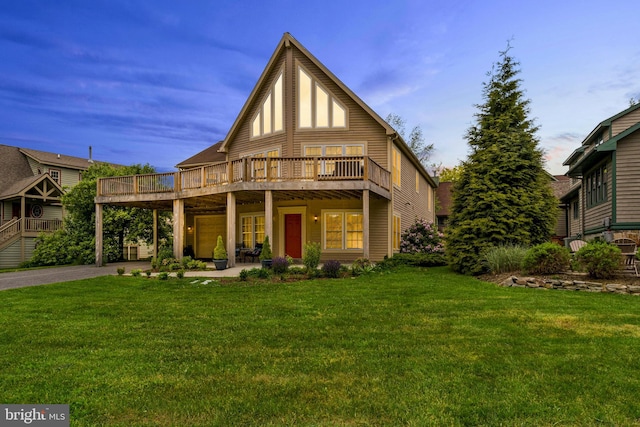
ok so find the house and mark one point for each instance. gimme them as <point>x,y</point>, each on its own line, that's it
<point>444,198</point>
<point>306,160</point>
<point>604,196</point>
<point>560,185</point>
<point>31,185</point>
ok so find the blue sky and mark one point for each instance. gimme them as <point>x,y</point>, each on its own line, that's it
<point>158,81</point>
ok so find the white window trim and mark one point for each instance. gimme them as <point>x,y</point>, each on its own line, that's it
<point>338,144</point>
<point>59,180</point>
<point>393,233</point>
<point>262,154</point>
<point>253,216</point>
<point>331,100</point>
<point>344,213</point>
<point>260,113</point>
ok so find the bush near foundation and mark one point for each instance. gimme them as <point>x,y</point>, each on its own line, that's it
<point>546,258</point>
<point>600,259</point>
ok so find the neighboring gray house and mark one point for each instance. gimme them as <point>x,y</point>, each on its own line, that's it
<point>605,180</point>
<point>31,185</point>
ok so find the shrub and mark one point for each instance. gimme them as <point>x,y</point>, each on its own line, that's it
<point>331,268</point>
<point>148,273</point>
<point>600,259</point>
<point>546,258</point>
<point>263,273</point>
<point>61,248</point>
<point>244,275</point>
<point>504,258</point>
<point>413,260</point>
<point>163,275</point>
<point>220,252</point>
<point>361,266</point>
<point>180,274</point>
<point>279,265</point>
<point>266,250</point>
<point>422,237</point>
<point>297,271</point>
<point>136,272</point>
<point>120,271</point>
<point>311,257</point>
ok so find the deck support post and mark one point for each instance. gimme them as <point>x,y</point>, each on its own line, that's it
<point>99,236</point>
<point>155,233</point>
<point>231,229</point>
<point>365,223</point>
<point>178,228</point>
<point>268,216</point>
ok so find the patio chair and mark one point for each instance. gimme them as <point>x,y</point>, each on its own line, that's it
<point>575,245</point>
<point>254,253</point>
<point>629,249</point>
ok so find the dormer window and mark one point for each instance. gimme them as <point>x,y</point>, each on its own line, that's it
<point>270,117</point>
<point>317,108</point>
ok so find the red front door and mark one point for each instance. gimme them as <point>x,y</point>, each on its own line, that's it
<point>293,235</point>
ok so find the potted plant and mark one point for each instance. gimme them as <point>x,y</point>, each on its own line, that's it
<point>220,255</point>
<point>266,255</point>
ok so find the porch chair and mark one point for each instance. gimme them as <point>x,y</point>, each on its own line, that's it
<point>254,253</point>
<point>575,245</point>
<point>629,249</point>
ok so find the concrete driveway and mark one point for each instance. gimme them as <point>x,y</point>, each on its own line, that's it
<point>20,279</point>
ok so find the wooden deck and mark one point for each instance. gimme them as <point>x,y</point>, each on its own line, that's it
<point>28,227</point>
<point>322,172</point>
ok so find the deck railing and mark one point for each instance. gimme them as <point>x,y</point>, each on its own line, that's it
<point>28,225</point>
<point>250,169</point>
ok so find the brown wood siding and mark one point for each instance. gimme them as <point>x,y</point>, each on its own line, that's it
<point>561,223</point>
<point>625,122</point>
<point>361,127</point>
<point>242,144</point>
<point>628,179</point>
<point>594,216</point>
<point>378,228</point>
<point>406,202</point>
<point>575,226</point>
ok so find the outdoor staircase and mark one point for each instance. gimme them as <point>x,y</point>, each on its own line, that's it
<point>9,232</point>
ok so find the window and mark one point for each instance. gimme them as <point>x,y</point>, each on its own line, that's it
<point>418,183</point>
<point>397,230</point>
<point>259,167</point>
<point>317,108</point>
<point>270,117</point>
<point>55,175</point>
<point>343,230</point>
<point>327,167</point>
<point>576,210</point>
<point>596,186</point>
<point>396,169</point>
<point>252,229</point>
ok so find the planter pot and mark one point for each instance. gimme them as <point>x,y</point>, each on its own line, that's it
<point>266,263</point>
<point>220,264</point>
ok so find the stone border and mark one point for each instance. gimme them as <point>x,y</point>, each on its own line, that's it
<point>570,285</point>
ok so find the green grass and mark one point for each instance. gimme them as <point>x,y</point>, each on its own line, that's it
<point>413,347</point>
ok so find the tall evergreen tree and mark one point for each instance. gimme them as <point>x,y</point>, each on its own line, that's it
<point>503,194</point>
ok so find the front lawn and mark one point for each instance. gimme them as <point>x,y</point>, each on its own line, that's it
<point>412,347</point>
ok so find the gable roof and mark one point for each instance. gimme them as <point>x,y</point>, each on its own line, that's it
<point>20,187</point>
<point>205,157</point>
<point>601,151</point>
<point>14,167</point>
<point>286,42</point>
<point>445,198</point>
<point>605,124</point>
<point>54,159</point>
